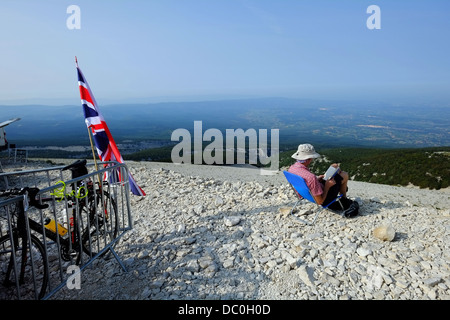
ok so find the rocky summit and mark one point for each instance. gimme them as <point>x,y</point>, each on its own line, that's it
<point>217,232</point>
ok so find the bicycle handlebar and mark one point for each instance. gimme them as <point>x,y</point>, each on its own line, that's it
<point>78,168</point>
<point>32,192</point>
<point>75,165</point>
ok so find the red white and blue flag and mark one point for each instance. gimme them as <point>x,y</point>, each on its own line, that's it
<point>106,147</point>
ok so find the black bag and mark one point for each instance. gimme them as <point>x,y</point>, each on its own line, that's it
<point>352,210</point>
<point>341,205</point>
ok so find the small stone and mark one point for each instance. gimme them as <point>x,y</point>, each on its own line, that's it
<point>156,284</point>
<point>232,221</point>
<point>363,252</point>
<point>304,212</point>
<point>431,282</point>
<point>198,209</point>
<point>193,266</point>
<point>306,275</point>
<point>219,201</point>
<point>228,263</point>
<point>384,233</point>
<point>284,212</point>
<point>189,240</point>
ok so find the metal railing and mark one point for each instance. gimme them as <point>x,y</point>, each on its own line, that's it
<point>77,221</point>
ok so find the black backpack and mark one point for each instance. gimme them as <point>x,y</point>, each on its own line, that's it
<point>349,207</point>
<point>352,210</point>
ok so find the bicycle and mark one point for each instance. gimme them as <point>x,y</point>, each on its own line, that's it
<point>21,255</point>
<point>95,214</point>
<point>93,219</point>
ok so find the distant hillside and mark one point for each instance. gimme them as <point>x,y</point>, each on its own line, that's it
<point>324,123</point>
<point>425,167</point>
<point>369,134</point>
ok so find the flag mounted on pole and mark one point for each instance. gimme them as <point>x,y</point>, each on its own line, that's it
<point>106,147</point>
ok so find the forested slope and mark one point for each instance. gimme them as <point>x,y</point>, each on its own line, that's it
<point>425,167</point>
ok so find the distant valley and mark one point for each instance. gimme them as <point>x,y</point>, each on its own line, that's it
<point>380,143</point>
<point>323,123</point>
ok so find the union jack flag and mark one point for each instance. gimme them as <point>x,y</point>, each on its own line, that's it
<point>106,147</point>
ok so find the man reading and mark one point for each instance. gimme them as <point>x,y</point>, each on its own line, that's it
<point>323,191</point>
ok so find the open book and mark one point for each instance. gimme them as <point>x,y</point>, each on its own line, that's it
<point>331,172</point>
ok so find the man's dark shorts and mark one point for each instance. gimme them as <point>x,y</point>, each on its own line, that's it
<point>333,193</point>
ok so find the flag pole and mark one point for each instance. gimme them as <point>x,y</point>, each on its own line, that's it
<point>93,155</point>
<point>92,148</point>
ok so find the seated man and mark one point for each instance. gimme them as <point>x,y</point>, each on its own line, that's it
<point>322,191</point>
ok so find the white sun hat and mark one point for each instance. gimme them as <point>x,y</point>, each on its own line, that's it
<point>305,151</point>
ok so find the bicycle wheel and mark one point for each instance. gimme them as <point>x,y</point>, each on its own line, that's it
<point>30,285</point>
<point>103,224</point>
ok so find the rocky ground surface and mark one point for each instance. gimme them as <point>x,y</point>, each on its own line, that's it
<point>206,233</point>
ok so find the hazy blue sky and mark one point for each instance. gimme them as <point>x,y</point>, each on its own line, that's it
<point>164,50</point>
